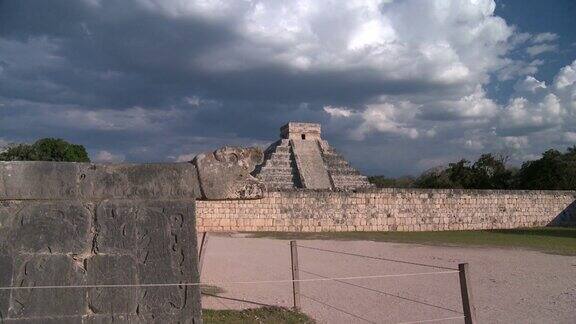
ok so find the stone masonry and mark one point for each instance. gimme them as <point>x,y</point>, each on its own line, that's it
<point>77,224</point>
<point>388,210</point>
<point>83,224</point>
<point>302,159</point>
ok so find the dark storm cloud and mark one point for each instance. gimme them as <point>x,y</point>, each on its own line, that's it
<point>155,80</point>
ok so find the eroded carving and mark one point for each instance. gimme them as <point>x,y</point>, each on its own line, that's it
<point>225,173</point>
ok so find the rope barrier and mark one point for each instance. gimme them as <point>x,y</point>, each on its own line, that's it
<point>376,258</point>
<point>230,282</point>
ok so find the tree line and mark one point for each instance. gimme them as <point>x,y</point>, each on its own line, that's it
<point>46,149</point>
<point>554,170</point>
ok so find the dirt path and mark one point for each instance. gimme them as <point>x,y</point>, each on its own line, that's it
<point>510,286</point>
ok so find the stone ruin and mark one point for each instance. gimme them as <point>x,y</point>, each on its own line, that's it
<point>302,159</point>
<point>83,224</point>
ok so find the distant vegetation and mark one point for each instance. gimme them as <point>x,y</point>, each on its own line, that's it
<point>46,149</point>
<point>554,170</point>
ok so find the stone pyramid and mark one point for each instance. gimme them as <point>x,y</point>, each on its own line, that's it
<point>302,159</point>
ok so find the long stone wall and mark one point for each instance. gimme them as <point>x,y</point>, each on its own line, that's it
<point>388,210</point>
<point>77,224</point>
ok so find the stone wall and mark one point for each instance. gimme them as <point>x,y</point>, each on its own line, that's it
<point>388,210</point>
<point>64,224</point>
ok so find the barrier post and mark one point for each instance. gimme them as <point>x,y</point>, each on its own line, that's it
<point>467,297</point>
<point>295,275</point>
<point>202,251</point>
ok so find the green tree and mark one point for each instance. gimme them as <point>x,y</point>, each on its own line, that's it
<point>490,172</point>
<point>553,171</point>
<point>384,182</point>
<point>46,149</point>
<point>438,178</point>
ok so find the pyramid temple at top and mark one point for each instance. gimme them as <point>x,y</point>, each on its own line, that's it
<point>302,159</point>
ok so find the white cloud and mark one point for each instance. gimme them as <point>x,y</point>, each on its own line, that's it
<point>543,38</point>
<point>541,48</point>
<point>543,107</point>
<point>337,111</point>
<point>570,137</point>
<point>522,113</point>
<point>474,144</point>
<point>473,106</point>
<point>107,157</point>
<point>517,68</point>
<point>530,84</point>
<point>515,142</point>
<point>387,118</point>
<point>566,77</point>
<point>437,40</point>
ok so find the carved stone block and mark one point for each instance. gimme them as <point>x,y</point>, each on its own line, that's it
<point>225,173</point>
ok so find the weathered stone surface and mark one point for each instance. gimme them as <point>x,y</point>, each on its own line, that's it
<point>6,269</point>
<point>38,180</point>
<point>68,180</point>
<point>112,270</point>
<point>115,227</point>
<point>166,252</point>
<point>144,181</point>
<point>45,226</point>
<point>47,270</point>
<point>225,173</point>
<point>301,131</point>
<point>63,319</point>
<point>160,236</point>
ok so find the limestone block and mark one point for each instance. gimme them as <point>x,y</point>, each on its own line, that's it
<point>45,226</point>
<point>112,270</point>
<point>166,253</point>
<point>225,173</point>
<point>47,270</point>
<point>38,180</point>
<point>154,180</point>
<point>68,180</point>
<point>6,270</point>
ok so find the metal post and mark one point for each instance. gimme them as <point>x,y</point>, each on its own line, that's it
<point>202,251</point>
<point>467,297</point>
<point>295,275</point>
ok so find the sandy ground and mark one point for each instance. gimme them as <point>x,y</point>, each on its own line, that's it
<point>509,286</point>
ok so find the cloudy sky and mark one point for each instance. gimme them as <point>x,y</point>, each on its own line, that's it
<point>399,86</point>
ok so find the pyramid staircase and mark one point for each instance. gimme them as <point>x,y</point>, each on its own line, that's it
<point>279,169</point>
<point>342,174</point>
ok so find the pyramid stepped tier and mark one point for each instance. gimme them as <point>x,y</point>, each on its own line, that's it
<point>343,175</point>
<point>279,168</point>
<point>302,159</point>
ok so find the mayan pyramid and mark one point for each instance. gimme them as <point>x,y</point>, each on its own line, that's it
<point>302,159</point>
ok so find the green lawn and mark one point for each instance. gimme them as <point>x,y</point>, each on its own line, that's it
<point>263,315</point>
<point>555,240</point>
